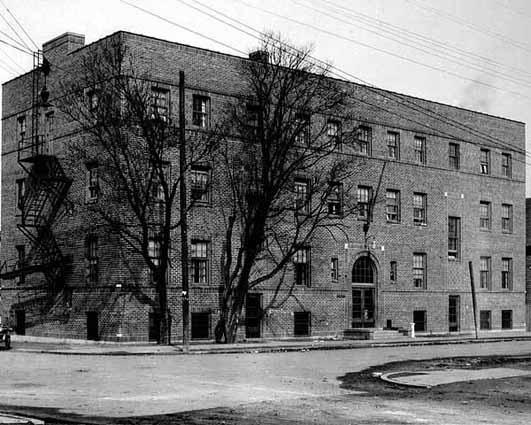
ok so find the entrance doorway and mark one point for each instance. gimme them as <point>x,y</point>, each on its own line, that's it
<point>364,293</point>
<point>154,326</point>
<point>253,316</point>
<point>453,313</point>
<point>92,325</point>
<point>20,322</point>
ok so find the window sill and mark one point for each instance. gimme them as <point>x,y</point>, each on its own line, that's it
<point>420,224</point>
<point>507,232</point>
<point>485,230</point>
<point>393,222</point>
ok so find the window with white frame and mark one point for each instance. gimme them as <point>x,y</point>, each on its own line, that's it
<point>507,273</point>
<point>154,250</point>
<point>302,196</point>
<point>201,111</point>
<point>484,273</point>
<point>302,129</point>
<point>507,218</point>
<point>393,145</point>
<point>20,193</point>
<point>334,268</point>
<point>484,161</point>
<point>453,156</point>
<point>419,208</point>
<point>506,165</point>
<point>420,149</point>
<point>364,199</point>
<point>392,206</point>
<point>200,184</point>
<point>199,261</point>
<point>301,262</point>
<point>454,238</point>
<point>91,259</point>
<point>484,215</point>
<point>160,104</point>
<point>393,272</point>
<point>364,139</point>
<point>92,185</point>
<point>335,199</point>
<point>419,270</point>
<point>333,132</point>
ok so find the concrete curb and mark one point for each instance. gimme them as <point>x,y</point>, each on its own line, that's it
<point>8,419</point>
<point>101,350</point>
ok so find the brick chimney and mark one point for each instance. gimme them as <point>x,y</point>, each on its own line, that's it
<point>62,45</point>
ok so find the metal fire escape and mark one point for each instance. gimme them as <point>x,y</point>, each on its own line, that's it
<point>46,186</point>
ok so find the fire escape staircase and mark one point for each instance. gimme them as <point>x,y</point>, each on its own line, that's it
<point>44,203</point>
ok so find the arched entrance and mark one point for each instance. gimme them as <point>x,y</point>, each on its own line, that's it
<point>364,278</point>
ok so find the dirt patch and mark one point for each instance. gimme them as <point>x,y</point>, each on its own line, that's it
<point>513,394</point>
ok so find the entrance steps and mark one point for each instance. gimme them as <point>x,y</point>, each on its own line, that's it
<point>376,334</point>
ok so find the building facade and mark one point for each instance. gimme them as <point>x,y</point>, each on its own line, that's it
<point>444,187</point>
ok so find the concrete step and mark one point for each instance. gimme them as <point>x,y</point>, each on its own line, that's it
<point>375,334</point>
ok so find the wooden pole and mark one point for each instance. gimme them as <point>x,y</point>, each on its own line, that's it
<point>474,302</point>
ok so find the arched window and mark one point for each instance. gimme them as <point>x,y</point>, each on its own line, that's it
<point>363,270</point>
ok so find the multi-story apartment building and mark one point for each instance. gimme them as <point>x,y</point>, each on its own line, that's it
<point>448,216</point>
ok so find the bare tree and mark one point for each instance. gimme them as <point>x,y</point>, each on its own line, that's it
<point>285,173</point>
<point>130,148</point>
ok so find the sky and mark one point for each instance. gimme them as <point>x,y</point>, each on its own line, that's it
<point>474,54</point>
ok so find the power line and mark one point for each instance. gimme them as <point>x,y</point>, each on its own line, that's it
<point>394,97</point>
<point>21,27</point>
<point>477,28</point>
<point>16,47</point>
<point>14,41</point>
<point>351,40</point>
<point>15,63</point>
<point>15,32</point>
<point>418,39</point>
<point>182,27</point>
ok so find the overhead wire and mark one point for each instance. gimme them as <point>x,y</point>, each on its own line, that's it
<point>460,21</point>
<point>19,24</point>
<point>14,41</point>
<point>398,99</point>
<point>15,32</point>
<point>380,91</point>
<point>424,44</point>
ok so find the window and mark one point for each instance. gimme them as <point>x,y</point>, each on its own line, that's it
<point>21,256</point>
<point>22,126</point>
<point>335,199</point>
<point>484,215</point>
<point>484,273</point>
<point>420,150</point>
<point>419,208</point>
<point>507,319</point>
<point>484,161</point>
<point>92,187</point>
<point>302,129</point>
<point>199,262</point>
<point>393,274</point>
<point>364,199</point>
<point>160,104</point>
<point>334,268</point>
<point>392,206</point>
<point>419,270</point>
<point>506,165</point>
<point>92,100</point>
<point>484,319</point>
<point>420,319</point>
<point>453,156</point>
<point>21,191</point>
<point>200,111</point>
<point>301,261</point>
<point>49,125</point>
<point>333,131</point>
<point>200,184</point>
<point>393,145</point>
<point>364,139</point>
<point>302,196</point>
<point>91,259</point>
<point>154,250</point>
<point>507,273</point>
<point>301,323</point>
<point>253,114</point>
<point>507,218</point>
<point>454,238</point>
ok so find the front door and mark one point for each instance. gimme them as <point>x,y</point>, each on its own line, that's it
<point>253,315</point>
<point>92,325</point>
<point>154,326</point>
<point>363,308</point>
<point>453,313</point>
<point>20,322</point>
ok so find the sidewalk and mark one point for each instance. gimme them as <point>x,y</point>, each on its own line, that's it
<point>84,347</point>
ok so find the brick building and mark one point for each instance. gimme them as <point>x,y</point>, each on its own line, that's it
<point>449,191</point>
<point>528,260</point>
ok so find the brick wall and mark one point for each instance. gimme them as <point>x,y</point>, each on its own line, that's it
<point>125,310</point>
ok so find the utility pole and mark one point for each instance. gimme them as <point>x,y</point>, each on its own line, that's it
<point>184,222</point>
<point>474,303</point>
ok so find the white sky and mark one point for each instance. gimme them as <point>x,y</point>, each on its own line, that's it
<point>468,28</point>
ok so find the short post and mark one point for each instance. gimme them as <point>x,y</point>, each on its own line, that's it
<point>412,329</point>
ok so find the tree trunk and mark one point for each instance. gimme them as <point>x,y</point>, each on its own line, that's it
<point>164,336</point>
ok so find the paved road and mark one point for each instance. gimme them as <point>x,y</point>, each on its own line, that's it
<point>145,385</point>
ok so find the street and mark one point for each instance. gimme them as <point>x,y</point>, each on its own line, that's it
<point>126,386</point>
